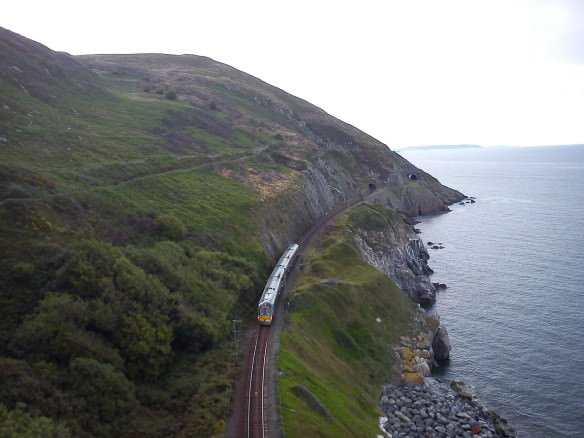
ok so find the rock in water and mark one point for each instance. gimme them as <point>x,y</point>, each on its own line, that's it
<point>441,345</point>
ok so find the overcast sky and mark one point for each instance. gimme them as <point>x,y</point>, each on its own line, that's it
<point>408,72</point>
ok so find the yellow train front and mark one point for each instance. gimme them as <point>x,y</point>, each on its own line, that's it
<point>277,280</point>
<point>265,311</point>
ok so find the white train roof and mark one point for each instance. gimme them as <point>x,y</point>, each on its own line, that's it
<point>273,285</point>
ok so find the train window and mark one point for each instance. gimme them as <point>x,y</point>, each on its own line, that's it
<point>265,309</point>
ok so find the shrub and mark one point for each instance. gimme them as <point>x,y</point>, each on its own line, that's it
<point>58,332</point>
<point>87,270</point>
<point>170,227</point>
<point>171,95</point>
<point>146,345</point>
<point>21,383</point>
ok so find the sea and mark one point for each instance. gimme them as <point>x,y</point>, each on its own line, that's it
<point>513,262</point>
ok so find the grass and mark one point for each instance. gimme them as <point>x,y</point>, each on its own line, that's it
<point>373,217</point>
<point>216,211</point>
<point>337,345</point>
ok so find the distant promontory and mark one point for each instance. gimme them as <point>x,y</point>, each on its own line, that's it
<point>440,146</point>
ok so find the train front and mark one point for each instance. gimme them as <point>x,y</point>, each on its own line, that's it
<point>265,313</point>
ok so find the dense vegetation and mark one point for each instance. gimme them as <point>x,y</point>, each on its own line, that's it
<point>336,353</point>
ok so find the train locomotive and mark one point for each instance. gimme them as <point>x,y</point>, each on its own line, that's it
<point>276,282</point>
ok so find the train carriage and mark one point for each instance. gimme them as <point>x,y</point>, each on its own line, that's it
<point>276,282</point>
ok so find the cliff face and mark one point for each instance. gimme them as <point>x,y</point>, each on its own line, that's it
<point>395,249</point>
<point>401,255</point>
<point>329,182</point>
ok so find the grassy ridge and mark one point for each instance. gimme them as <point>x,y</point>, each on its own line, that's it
<point>336,354</point>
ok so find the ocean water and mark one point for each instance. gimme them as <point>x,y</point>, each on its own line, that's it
<point>514,266</point>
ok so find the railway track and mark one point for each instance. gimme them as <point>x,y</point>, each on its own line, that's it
<point>255,412</point>
<point>257,424</point>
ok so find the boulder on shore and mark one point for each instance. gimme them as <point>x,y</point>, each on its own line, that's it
<point>441,345</point>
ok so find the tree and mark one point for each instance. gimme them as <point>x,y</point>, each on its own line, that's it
<point>105,390</point>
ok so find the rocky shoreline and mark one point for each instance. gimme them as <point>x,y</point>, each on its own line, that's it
<point>438,409</point>
<point>418,405</point>
<point>422,406</point>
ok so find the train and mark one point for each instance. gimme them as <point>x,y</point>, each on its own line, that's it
<point>276,281</point>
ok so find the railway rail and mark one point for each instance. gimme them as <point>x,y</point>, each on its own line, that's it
<point>254,414</point>
<point>257,424</point>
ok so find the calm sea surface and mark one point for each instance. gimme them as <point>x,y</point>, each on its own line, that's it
<point>514,266</point>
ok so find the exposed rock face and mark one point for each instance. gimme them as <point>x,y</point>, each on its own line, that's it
<point>441,345</point>
<point>344,165</point>
<point>329,182</point>
<point>401,255</point>
<point>319,191</point>
<point>424,349</point>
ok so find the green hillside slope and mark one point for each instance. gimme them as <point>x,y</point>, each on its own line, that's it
<point>336,353</point>
<point>143,199</point>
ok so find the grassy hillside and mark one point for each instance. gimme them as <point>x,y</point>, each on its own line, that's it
<point>336,355</point>
<point>143,199</point>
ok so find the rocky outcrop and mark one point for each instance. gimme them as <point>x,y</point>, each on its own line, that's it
<point>427,346</point>
<point>441,345</point>
<point>347,165</point>
<point>401,255</point>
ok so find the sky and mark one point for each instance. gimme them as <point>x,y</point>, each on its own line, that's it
<point>408,72</point>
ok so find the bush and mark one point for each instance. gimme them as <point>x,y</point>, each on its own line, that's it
<point>146,345</point>
<point>88,269</point>
<point>171,95</point>
<point>193,333</point>
<point>21,383</point>
<point>58,332</point>
<point>170,227</point>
